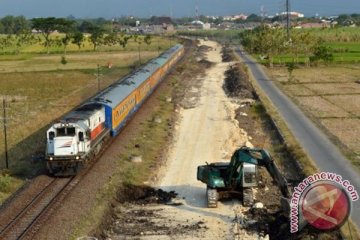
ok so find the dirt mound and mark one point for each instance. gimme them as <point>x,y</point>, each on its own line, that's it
<point>133,218</point>
<point>227,54</point>
<point>144,195</point>
<point>236,82</point>
<point>205,63</point>
<point>276,225</point>
<point>204,48</point>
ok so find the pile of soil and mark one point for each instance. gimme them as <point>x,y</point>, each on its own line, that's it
<point>236,82</point>
<point>205,63</point>
<point>204,48</point>
<point>276,225</point>
<point>144,195</point>
<point>134,218</point>
<point>227,54</point>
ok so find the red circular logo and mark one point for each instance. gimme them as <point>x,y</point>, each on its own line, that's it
<point>325,206</point>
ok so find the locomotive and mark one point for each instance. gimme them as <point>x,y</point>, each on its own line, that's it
<point>79,135</point>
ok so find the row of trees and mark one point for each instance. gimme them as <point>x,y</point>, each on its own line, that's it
<point>19,33</point>
<point>271,42</point>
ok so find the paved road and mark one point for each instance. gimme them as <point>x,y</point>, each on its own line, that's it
<point>325,154</point>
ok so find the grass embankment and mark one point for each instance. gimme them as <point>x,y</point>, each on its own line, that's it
<point>38,89</point>
<point>152,138</point>
<point>292,146</point>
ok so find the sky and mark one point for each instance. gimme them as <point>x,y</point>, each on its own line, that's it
<point>175,8</point>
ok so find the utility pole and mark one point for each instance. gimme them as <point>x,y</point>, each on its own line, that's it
<point>98,75</point>
<point>5,135</point>
<point>288,19</point>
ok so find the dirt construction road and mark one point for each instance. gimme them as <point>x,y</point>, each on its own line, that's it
<point>207,132</point>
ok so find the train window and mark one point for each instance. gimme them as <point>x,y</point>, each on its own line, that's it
<point>70,131</point>
<point>60,132</point>
<point>81,136</point>
<point>51,135</point>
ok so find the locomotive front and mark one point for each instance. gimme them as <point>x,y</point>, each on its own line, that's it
<point>74,139</point>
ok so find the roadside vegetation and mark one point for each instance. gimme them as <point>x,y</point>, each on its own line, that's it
<point>307,47</point>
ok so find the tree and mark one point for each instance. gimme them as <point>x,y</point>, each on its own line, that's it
<point>123,39</point>
<point>18,31</point>
<point>8,23</point>
<point>78,39</point>
<point>66,26</point>
<point>253,18</point>
<point>322,53</point>
<point>147,39</point>
<point>46,26</point>
<point>97,36</point>
<point>111,39</point>
<point>139,40</point>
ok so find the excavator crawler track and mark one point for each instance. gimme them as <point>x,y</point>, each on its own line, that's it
<point>212,197</point>
<point>248,198</point>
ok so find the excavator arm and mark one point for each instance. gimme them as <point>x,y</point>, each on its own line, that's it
<point>263,158</point>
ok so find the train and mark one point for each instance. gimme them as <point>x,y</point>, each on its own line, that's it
<point>78,136</point>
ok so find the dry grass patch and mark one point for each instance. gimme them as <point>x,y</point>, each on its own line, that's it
<point>320,108</point>
<point>346,130</point>
<point>350,103</point>
<point>321,74</point>
<point>74,61</point>
<point>297,90</point>
<point>334,88</point>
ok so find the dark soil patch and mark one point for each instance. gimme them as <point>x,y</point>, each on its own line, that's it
<point>237,83</point>
<point>205,63</point>
<point>130,218</point>
<point>276,224</point>
<point>227,54</point>
<point>144,195</point>
<point>204,48</point>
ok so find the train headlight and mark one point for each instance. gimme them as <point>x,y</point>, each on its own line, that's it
<point>77,158</point>
<point>50,158</point>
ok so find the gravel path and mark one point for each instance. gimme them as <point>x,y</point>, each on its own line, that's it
<point>325,154</point>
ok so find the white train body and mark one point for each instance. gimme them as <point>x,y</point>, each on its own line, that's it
<point>76,136</point>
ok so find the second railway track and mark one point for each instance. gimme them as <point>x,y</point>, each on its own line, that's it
<point>22,217</point>
<point>22,224</point>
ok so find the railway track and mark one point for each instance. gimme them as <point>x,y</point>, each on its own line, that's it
<point>22,217</point>
<point>25,221</point>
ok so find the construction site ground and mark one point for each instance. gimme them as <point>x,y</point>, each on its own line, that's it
<point>212,122</point>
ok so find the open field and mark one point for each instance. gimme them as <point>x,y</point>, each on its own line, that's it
<point>36,47</point>
<point>39,89</point>
<point>342,52</point>
<point>344,44</point>
<point>330,95</point>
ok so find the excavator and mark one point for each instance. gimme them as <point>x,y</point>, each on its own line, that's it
<point>239,177</point>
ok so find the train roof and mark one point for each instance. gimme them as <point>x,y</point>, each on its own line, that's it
<point>82,112</point>
<point>115,93</point>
